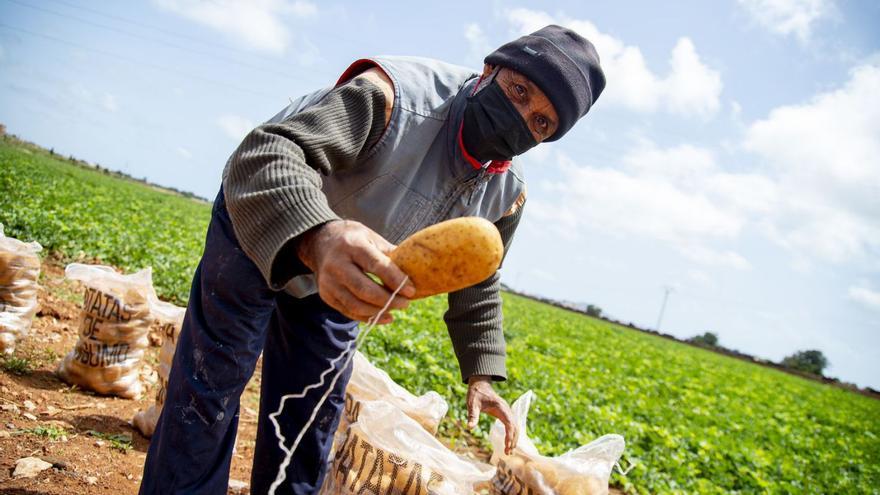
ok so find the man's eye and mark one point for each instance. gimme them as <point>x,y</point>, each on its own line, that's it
<point>520,89</point>
<point>542,123</point>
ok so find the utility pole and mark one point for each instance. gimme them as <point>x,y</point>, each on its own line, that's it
<point>666,291</point>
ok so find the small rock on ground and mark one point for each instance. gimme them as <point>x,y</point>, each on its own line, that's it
<point>28,467</point>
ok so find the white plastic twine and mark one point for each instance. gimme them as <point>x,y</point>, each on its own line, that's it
<point>348,354</point>
<point>626,471</point>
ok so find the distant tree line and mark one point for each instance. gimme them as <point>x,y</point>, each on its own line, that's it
<point>811,361</point>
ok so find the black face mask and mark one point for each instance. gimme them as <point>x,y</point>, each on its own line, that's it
<point>493,128</point>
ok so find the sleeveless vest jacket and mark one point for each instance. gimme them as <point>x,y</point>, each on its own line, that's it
<point>415,175</point>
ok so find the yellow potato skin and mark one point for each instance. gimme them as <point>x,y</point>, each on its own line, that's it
<point>582,485</point>
<point>450,255</point>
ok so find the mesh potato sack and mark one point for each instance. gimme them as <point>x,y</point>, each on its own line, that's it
<point>168,319</point>
<point>19,271</point>
<point>113,330</point>
<point>582,471</point>
<point>387,452</point>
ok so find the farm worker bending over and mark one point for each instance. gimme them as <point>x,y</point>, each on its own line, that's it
<point>316,197</point>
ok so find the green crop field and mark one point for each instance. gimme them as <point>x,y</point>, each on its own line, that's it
<point>79,212</point>
<point>694,421</point>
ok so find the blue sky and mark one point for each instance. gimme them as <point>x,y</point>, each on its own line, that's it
<point>732,157</point>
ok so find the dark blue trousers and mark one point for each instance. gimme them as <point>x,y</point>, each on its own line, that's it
<point>232,316</point>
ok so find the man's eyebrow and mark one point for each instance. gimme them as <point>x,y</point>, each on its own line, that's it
<point>546,115</point>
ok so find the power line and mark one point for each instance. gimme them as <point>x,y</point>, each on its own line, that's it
<point>177,46</point>
<point>329,34</point>
<point>162,30</point>
<point>141,63</point>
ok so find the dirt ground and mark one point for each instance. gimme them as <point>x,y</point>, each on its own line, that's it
<point>85,457</point>
<point>87,437</point>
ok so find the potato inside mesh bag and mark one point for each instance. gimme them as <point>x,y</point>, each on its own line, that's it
<point>113,330</point>
<point>385,451</point>
<point>369,383</point>
<point>19,271</point>
<point>582,471</point>
<point>168,319</point>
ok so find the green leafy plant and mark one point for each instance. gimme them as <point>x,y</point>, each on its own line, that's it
<point>119,441</point>
<point>83,214</point>
<point>17,365</point>
<point>51,432</point>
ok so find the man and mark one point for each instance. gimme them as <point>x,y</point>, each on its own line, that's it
<point>314,199</point>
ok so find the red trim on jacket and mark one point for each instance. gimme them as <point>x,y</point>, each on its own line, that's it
<point>363,64</point>
<point>357,67</point>
<point>495,166</point>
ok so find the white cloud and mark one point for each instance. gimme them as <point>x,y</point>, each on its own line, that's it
<point>865,296</point>
<point>789,17</point>
<point>823,155</point>
<point>478,44</point>
<point>259,24</point>
<point>691,88</point>
<point>677,195</point>
<point>813,189</point>
<point>234,126</point>
<point>108,102</point>
<point>639,203</point>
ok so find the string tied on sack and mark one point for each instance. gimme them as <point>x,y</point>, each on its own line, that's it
<point>347,355</point>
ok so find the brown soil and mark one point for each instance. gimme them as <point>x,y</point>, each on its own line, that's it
<point>83,462</point>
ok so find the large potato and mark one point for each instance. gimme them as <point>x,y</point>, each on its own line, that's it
<point>582,485</point>
<point>541,475</point>
<point>450,255</point>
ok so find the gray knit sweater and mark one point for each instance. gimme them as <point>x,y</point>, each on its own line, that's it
<point>272,185</point>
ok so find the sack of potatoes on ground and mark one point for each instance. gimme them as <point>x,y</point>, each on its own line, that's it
<point>582,471</point>
<point>113,330</point>
<point>168,321</point>
<point>369,383</point>
<point>385,451</point>
<point>19,272</point>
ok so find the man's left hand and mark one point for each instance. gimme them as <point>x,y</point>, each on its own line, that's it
<point>482,397</point>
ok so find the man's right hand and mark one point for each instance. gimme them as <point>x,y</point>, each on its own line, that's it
<point>340,253</point>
